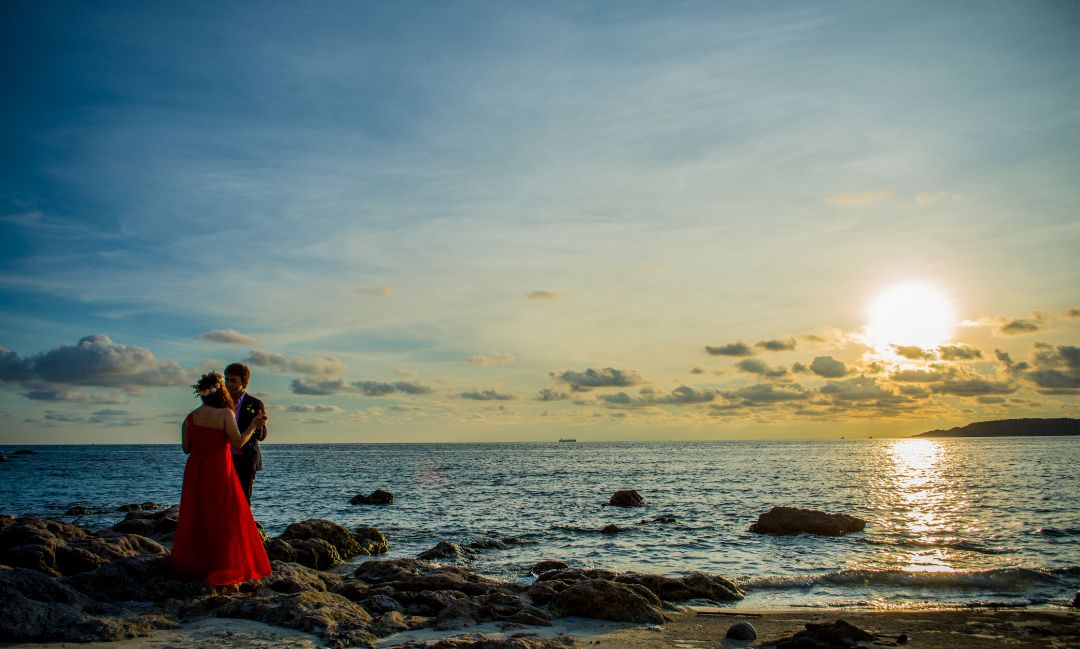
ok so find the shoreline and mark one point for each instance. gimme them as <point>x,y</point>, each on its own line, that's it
<point>937,629</point>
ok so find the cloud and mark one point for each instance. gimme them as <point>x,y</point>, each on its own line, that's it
<point>925,198</point>
<point>413,387</point>
<point>918,376</point>
<point>731,349</point>
<point>829,338</point>
<point>854,199</point>
<point>781,345</point>
<point>1057,369</point>
<point>758,366</point>
<point>990,400</point>
<point>54,415</point>
<point>680,396</point>
<point>488,395</point>
<point>76,396</point>
<point>914,352</point>
<point>972,387</point>
<point>494,359</point>
<point>545,295</point>
<point>318,388</point>
<point>315,420</point>
<point>593,378</point>
<point>701,369</point>
<point>297,407</point>
<point>383,291</point>
<point>765,393</point>
<point>1010,326</point>
<point>959,352</point>
<point>549,394</point>
<point>228,337</point>
<point>863,388</point>
<point>408,373</point>
<point>95,361</point>
<point>1071,312</point>
<point>320,366</point>
<point>799,368</point>
<point>828,367</point>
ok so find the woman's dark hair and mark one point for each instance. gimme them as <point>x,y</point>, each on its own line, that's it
<point>211,389</point>
<point>240,370</point>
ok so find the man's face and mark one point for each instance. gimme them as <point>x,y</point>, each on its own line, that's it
<point>234,384</point>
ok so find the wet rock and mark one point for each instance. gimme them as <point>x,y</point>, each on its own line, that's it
<point>661,519</point>
<point>151,506</point>
<point>427,603</point>
<point>330,616</point>
<point>353,590</point>
<point>2,458</point>
<point>790,520</point>
<point>465,612</point>
<point>1076,600</point>
<point>371,541</point>
<point>311,553</point>
<point>263,536</point>
<point>152,524</point>
<point>58,549</point>
<point>610,529</point>
<point>837,634</point>
<point>629,498</point>
<point>377,497</point>
<point>488,544</point>
<point>77,510</point>
<point>295,578</point>
<point>316,528</point>
<point>138,579</point>
<point>480,641</point>
<point>609,601</point>
<point>37,608</point>
<point>544,566</point>
<point>451,578</point>
<point>134,507</point>
<point>741,631</point>
<point>25,452</point>
<point>573,574</point>
<point>446,551</point>
<point>388,570</point>
<point>380,604</point>
<point>696,585</point>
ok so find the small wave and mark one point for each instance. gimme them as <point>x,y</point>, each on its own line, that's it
<point>999,579</point>
<point>952,544</point>
<point>1053,532</point>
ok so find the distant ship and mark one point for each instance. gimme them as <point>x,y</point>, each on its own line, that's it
<point>568,440</point>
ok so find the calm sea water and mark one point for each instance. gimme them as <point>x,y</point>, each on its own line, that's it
<point>950,522</point>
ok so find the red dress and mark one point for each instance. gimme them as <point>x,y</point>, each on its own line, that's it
<point>216,538</point>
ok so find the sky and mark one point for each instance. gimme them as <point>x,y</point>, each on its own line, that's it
<point>515,221</point>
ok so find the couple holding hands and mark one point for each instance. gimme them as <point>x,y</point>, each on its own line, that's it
<point>217,540</point>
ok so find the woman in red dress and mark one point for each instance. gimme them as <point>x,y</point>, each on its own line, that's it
<point>216,538</point>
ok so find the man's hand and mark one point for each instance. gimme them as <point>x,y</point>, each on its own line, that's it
<point>260,420</point>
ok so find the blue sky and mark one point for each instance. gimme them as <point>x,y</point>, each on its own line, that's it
<point>373,194</point>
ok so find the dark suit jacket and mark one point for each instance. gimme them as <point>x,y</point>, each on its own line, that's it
<point>250,407</point>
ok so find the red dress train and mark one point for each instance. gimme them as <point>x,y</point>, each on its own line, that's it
<point>216,538</point>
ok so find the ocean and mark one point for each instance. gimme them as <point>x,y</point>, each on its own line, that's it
<point>950,522</point>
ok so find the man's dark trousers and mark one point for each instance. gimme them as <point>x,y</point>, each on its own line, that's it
<point>245,474</point>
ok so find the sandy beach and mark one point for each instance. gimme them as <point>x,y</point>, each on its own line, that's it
<point>938,629</point>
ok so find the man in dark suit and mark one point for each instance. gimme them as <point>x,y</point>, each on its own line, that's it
<point>247,460</point>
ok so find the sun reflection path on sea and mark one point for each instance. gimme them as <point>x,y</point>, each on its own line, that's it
<point>925,506</point>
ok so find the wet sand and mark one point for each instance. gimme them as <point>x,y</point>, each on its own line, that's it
<point>952,629</point>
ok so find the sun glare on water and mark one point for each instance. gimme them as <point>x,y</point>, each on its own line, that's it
<point>910,314</point>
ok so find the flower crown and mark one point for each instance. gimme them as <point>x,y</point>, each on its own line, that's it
<point>207,392</point>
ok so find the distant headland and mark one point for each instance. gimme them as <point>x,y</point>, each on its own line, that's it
<point>1011,428</point>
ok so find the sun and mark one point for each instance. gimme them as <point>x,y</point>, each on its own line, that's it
<point>910,314</point>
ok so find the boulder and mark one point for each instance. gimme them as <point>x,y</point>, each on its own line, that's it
<point>1075,600</point>
<point>380,604</point>
<point>377,497</point>
<point>37,608</point>
<point>138,579</point>
<point>77,510</point>
<point>741,631</point>
<point>153,524</point>
<point>465,612</point>
<point>389,623</point>
<point>371,541</point>
<point>544,566</point>
<point>488,544</point>
<point>574,574</point>
<point>427,603</point>
<point>390,570</point>
<point>316,528</point>
<point>696,585</point>
<point>332,617</point>
<point>629,498</point>
<point>447,551</point>
<point>451,578</point>
<point>607,600</point>
<point>611,528</point>
<point>790,520</point>
<point>58,549</point>
<point>837,634</point>
<point>295,578</point>
<point>312,553</point>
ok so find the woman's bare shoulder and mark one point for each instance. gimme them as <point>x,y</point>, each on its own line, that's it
<point>208,417</point>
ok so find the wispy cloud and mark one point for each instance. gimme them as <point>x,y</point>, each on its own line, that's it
<point>855,199</point>
<point>494,359</point>
<point>384,291</point>
<point>228,337</point>
<point>545,295</point>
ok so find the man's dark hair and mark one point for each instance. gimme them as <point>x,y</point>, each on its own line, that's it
<point>241,370</point>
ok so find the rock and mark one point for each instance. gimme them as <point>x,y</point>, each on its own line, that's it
<point>295,578</point>
<point>37,608</point>
<point>316,528</point>
<point>741,631</point>
<point>1076,600</point>
<point>789,521</point>
<point>2,458</point>
<point>488,544</point>
<point>312,553</point>
<point>465,612</point>
<point>573,574</point>
<point>378,497</point>
<point>151,506</point>
<point>696,585</point>
<point>381,604</point>
<point>450,578</point>
<point>24,452</point>
<point>58,549</point>
<point>153,524</point>
<point>389,623</point>
<point>837,634</point>
<point>480,641</point>
<point>628,498</point>
<point>388,570</point>
<point>446,550</point>
<point>138,579</point>
<point>545,566</point>
<point>330,616</point>
<point>77,510</point>
<point>522,617</point>
<point>371,541</point>
<point>262,532</point>
<point>661,519</point>
<point>427,603</point>
<point>609,601</point>
<point>134,507</point>
<point>610,529</point>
